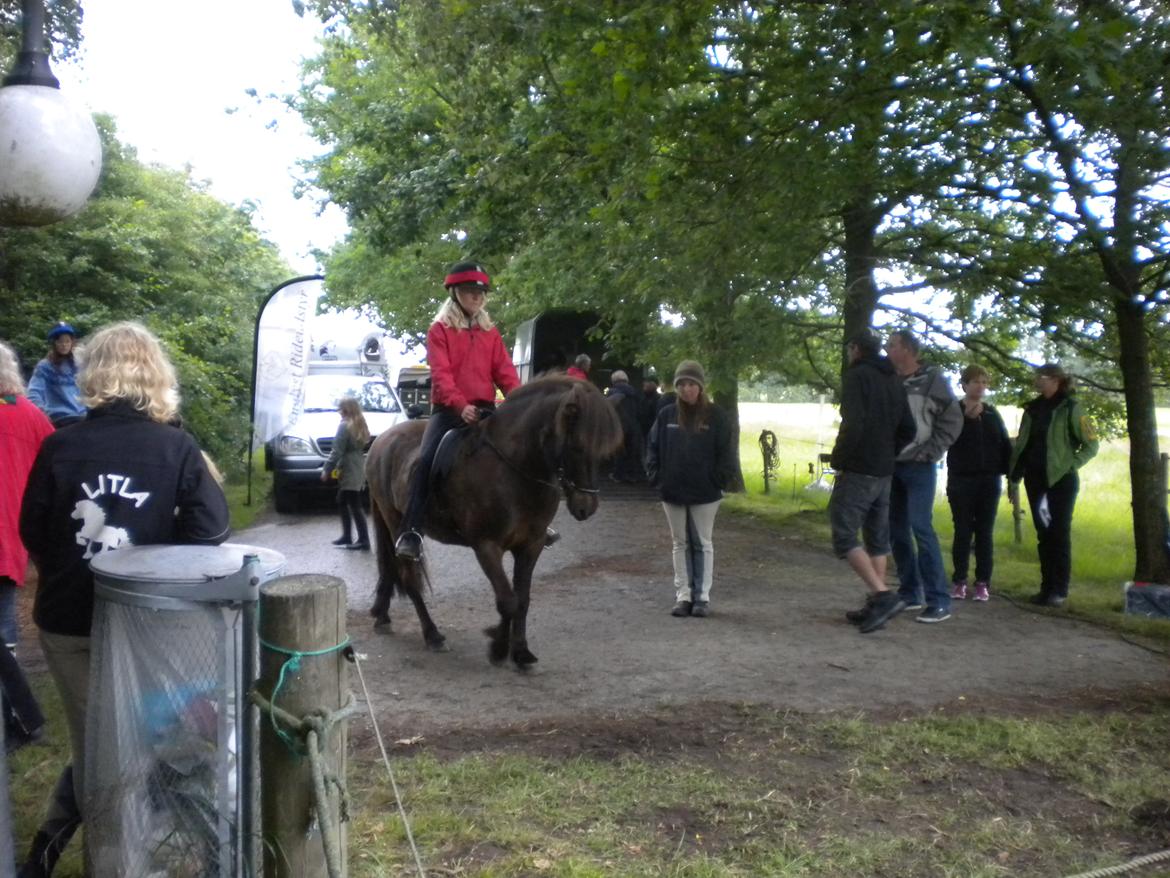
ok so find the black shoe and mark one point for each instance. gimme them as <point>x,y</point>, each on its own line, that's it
<point>409,545</point>
<point>1054,600</point>
<point>551,536</point>
<point>933,614</point>
<point>681,608</point>
<point>856,617</point>
<point>1040,599</point>
<point>359,546</point>
<point>341,542</point>
<point>886,605</point>
<point>699,608</point>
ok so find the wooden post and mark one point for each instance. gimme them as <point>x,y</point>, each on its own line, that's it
<point>305,613</point>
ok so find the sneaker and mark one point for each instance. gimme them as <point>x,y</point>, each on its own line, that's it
<point>1054,600</point>
<point>681,608</point>
<point>409,545</point>
<point>913,606</point>
<point>934,614</point>
<point>981,592</point>
<point>1040,599</point>
<point>959,590</point>
<point>886,606</point>
<point>341,542</point>
<point>699,608</point>
<point>360,547</point>
<point>856,617</point>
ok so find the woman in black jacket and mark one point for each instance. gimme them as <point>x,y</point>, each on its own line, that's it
<point>976,464</point>
<point>690,461</point>
<point>124,476</point>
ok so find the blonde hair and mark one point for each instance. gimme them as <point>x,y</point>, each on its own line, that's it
<point>11,382</point>
<point>124,361</point>
<point>351,411</point>
<point>452,315</point>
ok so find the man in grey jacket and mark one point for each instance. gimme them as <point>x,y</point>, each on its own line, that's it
<point>938,420</point>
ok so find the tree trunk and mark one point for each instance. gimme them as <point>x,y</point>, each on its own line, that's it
<point>860,220</point>
<point>729,402</point>
<point>1150,526</point>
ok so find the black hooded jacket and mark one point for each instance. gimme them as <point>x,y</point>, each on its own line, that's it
<point>115,479</point>
<point>875,418</point>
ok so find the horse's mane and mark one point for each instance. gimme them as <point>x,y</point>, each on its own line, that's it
<point>558,401</point>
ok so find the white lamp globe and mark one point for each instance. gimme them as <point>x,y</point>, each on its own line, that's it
<point>50,155</point>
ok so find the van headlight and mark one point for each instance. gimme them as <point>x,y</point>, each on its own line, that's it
<point>290,445</point>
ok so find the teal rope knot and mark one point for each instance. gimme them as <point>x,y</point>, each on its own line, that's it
<point>293,664</point>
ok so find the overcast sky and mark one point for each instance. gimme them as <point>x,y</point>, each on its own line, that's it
<point>175,75</point>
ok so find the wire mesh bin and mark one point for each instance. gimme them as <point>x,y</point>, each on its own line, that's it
<point>170,736</point>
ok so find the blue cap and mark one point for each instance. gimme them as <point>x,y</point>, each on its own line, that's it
<point>62,329</point>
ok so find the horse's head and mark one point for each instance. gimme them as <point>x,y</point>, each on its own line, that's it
<point>585,431</point>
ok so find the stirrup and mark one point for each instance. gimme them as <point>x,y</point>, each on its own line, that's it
<point>409,545</point>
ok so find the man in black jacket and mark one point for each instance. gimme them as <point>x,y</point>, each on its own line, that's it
<point>875,423</point>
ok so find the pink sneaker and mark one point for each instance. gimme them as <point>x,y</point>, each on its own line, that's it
<point>981,592</point>
<point>959,590</point>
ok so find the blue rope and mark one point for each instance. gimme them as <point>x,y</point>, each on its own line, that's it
<point>293,663</point>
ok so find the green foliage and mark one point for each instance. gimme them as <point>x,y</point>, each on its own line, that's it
<point>152,246</point>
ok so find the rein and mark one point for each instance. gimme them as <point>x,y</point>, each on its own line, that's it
<point>563,483</point>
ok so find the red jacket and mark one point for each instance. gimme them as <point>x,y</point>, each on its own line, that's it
<point>23,427</point>
<point>574,372</point>
<point>467,365</point>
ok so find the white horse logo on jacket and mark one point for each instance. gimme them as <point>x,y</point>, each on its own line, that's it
<point>95,532</point>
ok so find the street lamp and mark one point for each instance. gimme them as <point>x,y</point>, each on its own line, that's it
<point>50,152</point>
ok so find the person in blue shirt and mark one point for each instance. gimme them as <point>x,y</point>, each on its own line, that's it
<point>53,385</point>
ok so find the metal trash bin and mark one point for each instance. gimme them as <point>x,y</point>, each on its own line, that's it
<point>170,736</point>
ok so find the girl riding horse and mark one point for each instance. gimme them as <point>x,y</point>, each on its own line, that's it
<point>468,362</point>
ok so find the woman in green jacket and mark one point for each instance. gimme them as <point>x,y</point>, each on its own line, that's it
<point>348,459</point>
<point>1056,439</point>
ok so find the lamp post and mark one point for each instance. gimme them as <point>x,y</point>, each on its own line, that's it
<point>51,152</point>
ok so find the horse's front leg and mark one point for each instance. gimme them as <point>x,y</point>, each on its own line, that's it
<point>491,559</point>
<point>525,563</point>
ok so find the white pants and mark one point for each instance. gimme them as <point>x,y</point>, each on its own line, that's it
<point>694,552</point>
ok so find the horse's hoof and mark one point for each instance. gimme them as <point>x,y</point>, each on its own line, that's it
<point>438,644</point>
<point>524,659</point>
<point>492,631</point>
<point>382,625</point>
<point>497,652</point>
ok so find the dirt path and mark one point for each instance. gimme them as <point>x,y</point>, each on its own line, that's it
<point>776,637</point>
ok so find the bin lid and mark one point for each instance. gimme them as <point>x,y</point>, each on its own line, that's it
<point>173,570</point>
<point>184,563</point>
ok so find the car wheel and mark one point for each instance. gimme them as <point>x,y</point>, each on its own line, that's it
<point>284,497</point>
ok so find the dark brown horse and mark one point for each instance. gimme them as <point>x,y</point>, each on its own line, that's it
<point>547,439</point>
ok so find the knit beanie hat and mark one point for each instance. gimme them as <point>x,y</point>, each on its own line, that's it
<point>692,371</point>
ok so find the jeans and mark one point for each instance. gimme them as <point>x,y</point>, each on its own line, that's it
<point>974,503</point>
<point>693,551</point>
<point>350,505</point>
<point>9,626</point>
<point>917,552</point>
<point>1054,539</point>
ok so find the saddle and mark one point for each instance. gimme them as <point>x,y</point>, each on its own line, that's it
<point>448,450</point>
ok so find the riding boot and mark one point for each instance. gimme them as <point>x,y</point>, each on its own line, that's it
<point>550,536</point>
<point>53,835</point>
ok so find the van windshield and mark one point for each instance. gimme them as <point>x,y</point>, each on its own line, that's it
<point>324,392</point>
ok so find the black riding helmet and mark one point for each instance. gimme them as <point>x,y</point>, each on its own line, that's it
<point>466,273</point>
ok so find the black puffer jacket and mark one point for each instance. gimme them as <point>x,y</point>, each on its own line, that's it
<point>983,448</point>
<point>115,479</point>
<point>690,468</point>
<point>875,419</point>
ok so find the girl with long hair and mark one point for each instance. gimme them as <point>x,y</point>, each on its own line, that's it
<point>53,386</point>
<point>468,363</point>
<point>691,463</point>
<point>348,458</point>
